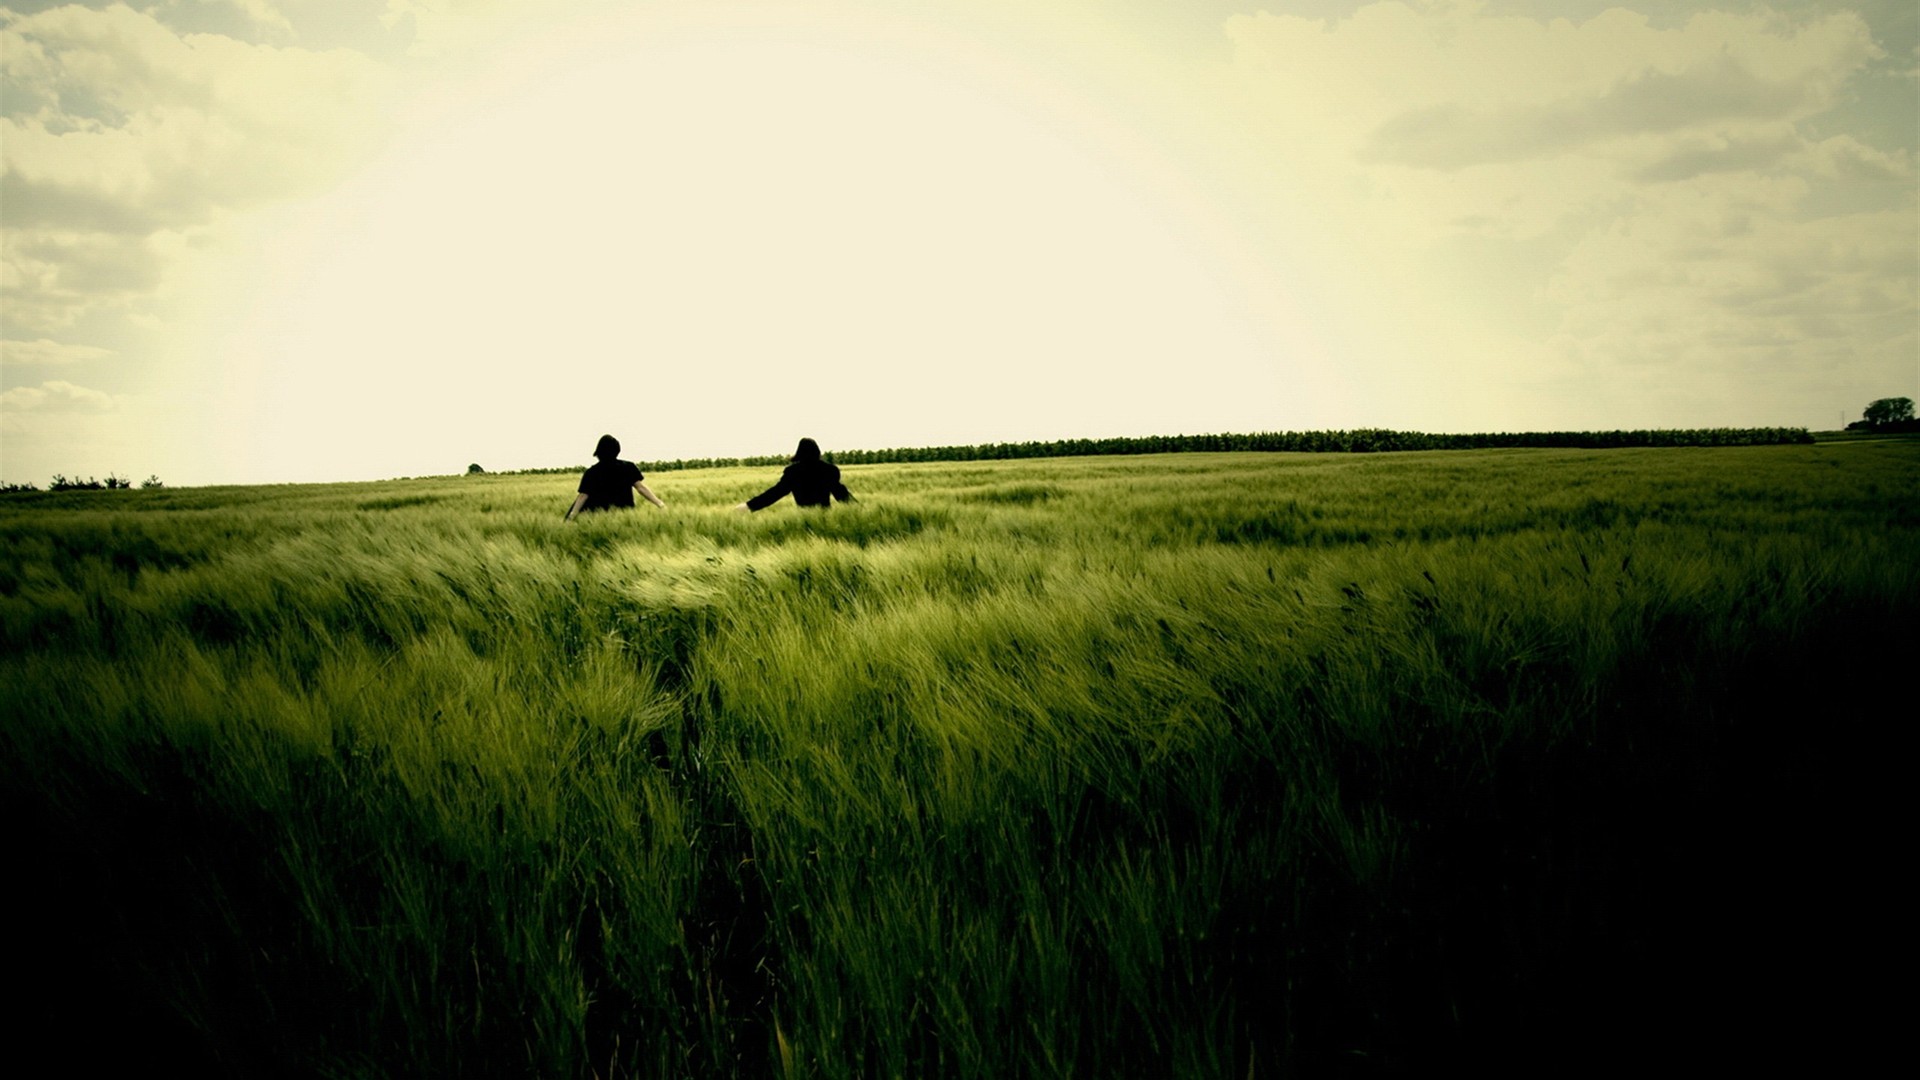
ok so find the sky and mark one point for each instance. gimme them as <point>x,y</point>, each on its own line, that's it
<point>255,241</point>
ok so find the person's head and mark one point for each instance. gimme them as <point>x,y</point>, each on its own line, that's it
<point>608,449</point>
<point>808,451</point>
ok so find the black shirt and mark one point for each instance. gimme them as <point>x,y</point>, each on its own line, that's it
<point>609,483</point>
<point>813,483</point>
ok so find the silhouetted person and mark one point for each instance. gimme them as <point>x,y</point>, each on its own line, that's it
<point>811,482</point>
<point>610,482</point>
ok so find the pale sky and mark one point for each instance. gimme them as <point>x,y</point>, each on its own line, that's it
<point>288,240</point>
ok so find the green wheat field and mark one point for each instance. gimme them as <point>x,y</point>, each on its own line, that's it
<point>1195,765</point>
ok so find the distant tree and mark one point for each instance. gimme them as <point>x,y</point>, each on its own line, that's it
<point>151,482</point>
<point>1889,410</point>
<point>6,486</point>
<point>474,468</point>
<point>61,482</point>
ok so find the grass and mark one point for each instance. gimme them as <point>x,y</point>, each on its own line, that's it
<point>1199,765</point>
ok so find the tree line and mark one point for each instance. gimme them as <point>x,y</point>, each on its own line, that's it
<point>1357,441</point>
<point>61,482</point>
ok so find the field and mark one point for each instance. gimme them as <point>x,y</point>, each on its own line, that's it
<point>1205,765</point>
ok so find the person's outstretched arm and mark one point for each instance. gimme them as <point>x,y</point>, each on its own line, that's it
<point>647,494</point>
<point>770,496</point>
<point>579,501</point>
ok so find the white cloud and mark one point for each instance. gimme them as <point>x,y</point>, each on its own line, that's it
<point>57,395</point>
<point>1672,222</point>
<point>442,27</point>
<point>261,13</point>
<point>119,131</point>
<point>248,19</point>
<point>1447,87</point>
<point>45,351</point>
<point>1719,94</point>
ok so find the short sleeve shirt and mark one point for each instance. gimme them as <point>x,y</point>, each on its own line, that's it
<point>609,483</point>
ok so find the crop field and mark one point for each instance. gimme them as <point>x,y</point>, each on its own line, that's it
<point>1197,765</point>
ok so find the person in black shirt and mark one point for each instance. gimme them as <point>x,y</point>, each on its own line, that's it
<point>811,481</point>
<point>610,482</point>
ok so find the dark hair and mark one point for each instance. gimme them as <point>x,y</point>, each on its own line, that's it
<point>807,451</point>
<point>608,449</point>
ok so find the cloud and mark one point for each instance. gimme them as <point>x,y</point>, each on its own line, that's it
<point>263,14</point>
<point>246,20</point>
<point>1670,203</point>
<point>1449,86</point>
<point>45,351</point>
<point>442,27</point>
<point>1738,153</point>
<point>57,395</point>
<point>52,276</point>
<point>118,129</point>
<point>1719,93</point>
